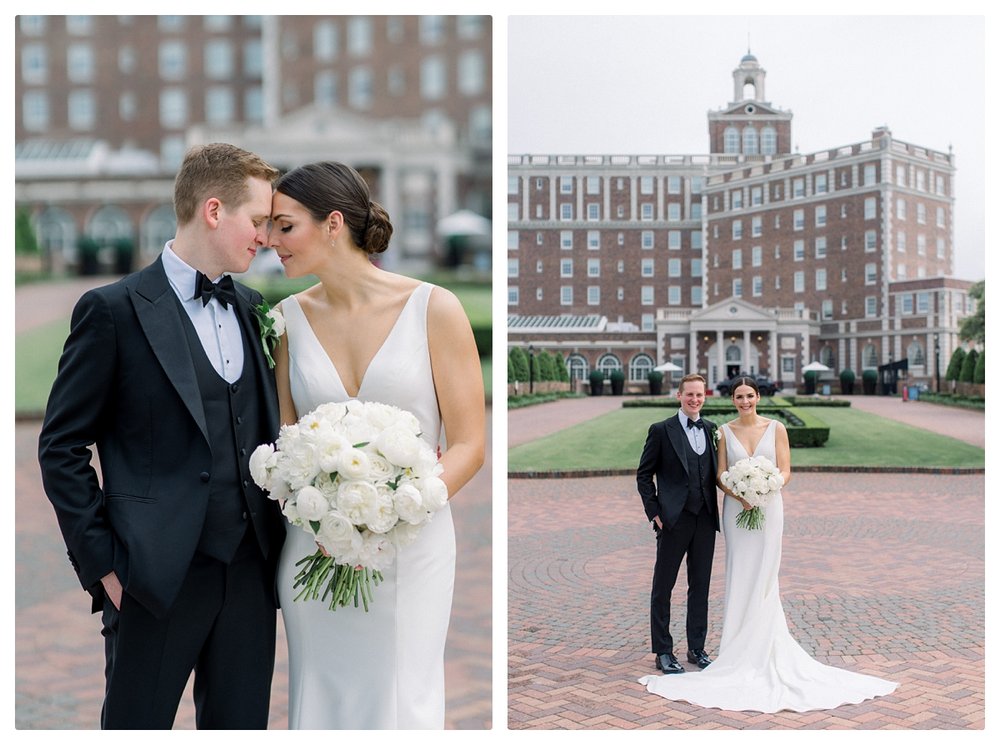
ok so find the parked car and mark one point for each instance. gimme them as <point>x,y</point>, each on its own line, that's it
<point>767,386</point>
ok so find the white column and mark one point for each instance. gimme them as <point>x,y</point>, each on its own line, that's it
<point>693,351</point>
<point>720,355</point>
<point>772,344</point>
<point>746,351</point>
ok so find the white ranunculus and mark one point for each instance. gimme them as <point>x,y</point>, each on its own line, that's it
<point>409,504</point>
<point>311,503</point>
<point>355,500</point>
<point>381,515</point>
<point>379,469</point>
<point>399,446</point>
<point>260,461</point>
<point>336,531</point>
<point>434,492</point>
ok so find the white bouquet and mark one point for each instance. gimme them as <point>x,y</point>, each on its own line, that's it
<point>357,477</point>
<point>756,480</point>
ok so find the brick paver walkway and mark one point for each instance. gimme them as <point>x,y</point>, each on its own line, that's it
<point>881,573</point>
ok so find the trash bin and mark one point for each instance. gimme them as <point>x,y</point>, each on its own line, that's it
<point>914,393</point>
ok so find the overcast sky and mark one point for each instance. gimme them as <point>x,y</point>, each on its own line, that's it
<point>643,85</point>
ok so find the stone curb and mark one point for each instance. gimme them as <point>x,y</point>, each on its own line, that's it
<point>582,474</point>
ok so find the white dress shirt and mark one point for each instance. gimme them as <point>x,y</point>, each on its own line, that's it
<point>218,328</point>
<point>696,436</point>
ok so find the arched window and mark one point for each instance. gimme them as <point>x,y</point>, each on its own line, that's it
<point>640,367</point>
<point>57,234</point>
<point>607,363</point>
<point>156,229</point>
<point>827,358</point>
<point>768,141</point>
<point>734,355</point>
<point>109,224</point>
<point>576,365</point>
<point>869,358</point>
<point>750,144</point>
<point>915,353</point>
<point>732,141</point>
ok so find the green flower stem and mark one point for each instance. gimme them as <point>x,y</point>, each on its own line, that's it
<point>321,578</point>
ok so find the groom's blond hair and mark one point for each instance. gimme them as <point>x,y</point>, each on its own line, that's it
<point>217,170</point>
<point>692,378</point>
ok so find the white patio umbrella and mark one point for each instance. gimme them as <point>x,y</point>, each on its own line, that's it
<point>667,367</point>
<point>815,366</point>
<point>464,222</point>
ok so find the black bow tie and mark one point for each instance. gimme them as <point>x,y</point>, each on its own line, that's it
<point>224,291</point>
<point>696,423</point>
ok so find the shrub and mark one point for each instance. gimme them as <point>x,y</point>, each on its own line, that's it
<point>510,370</point>
<point>968,367</point>
<point>979,375</point>
<point>955,365</point>
<point>520,361</point>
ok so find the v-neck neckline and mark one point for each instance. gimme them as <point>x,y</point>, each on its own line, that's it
<point>368,367</point>
<point>752,453</point>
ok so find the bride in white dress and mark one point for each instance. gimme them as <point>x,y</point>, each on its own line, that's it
<point>363,333</point>
<point>760,667</point>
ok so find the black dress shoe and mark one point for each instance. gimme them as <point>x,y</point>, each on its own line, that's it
<point>668,663</point>
<point>699,657</point>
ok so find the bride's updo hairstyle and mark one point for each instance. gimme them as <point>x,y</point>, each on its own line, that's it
<point>327,187</point>
<point>745,380</point>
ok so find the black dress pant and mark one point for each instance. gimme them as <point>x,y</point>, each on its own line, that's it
<point>694,536</point>
<point>222,627</point>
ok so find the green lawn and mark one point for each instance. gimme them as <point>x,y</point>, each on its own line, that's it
<point>36,358</point>
<point>615,440</point>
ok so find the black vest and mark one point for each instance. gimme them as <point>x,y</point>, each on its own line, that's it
<point>701,479</point>
<point>235,427</point>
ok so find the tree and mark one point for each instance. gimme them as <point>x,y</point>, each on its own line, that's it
<point>520,361</point>
<point>562,372</point>
<point>973,328</point>
<point>510,371</point>
<point>25,241</point>
<point>955,365</point>
<point>968,367</point>
<point>979,376</point>
<point>546,370</point>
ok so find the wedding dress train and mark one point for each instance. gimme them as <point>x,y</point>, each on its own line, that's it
<point>760,667</point>
<point>383,669</point>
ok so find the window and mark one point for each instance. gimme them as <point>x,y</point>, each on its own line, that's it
<point>565,239</point>
<point>433,78</point>
<point>566,267</point>
<point>359,36</point>
<point>901,175</point>
<point>471,73</point>
<point>737,229</point>
<point>647,239</point>
<point>360,87</point>
<point>219,59</point>
<point>921,213</point>
<point>750,141</point>
<point>593,267</point>
<point>756,226</point>
<point>325,41</point>
<point>513,295</point>
<point>566,295</point>
<point>513,213</point>
<point>871,307</point>
<point>646,295</point>
<point>737,287</point>
<point>565,211</point>
<point>695,240</point>
<point>870,240</point>
<point>798,219</point>
<point>173,108</point>
<point>565,184</point>
<point>593,211</point>
<point>647,322</point>
<point>326,89</point>
<point>821,247</point>
<point>593,240</point>
<point>870,208</point>
<point>940,248</point>
<point>906,304</point>
<point>923,302</point>
<point>696,269</point>
<point>798,188</point>
<point>921,244</point>
<point>799,281</point>
<point>35,111</point>
<point>253,104</point>
<point>593,295</point>
<point>220,105</point>
<point>696,211</point>
<point>128,106</point>
<point>843,243</point>
<point>647,267</point>
<point>756,196</point>
<point>79,63</point>
<point>758,286</point>
<point>172,60</point>
<point>621,267</point>
<point>253,58</point>
<point>512,240</point>
<point>82,111</point>
<point>756,256</point>
<point>787,365</point>
<point>697,184</point>
<point>513,266</point>
<point>869,175</point>
<point>647,211</point>
<point>538,266</point>
<point>593,185</point>
<point>737,258</point>
<point>768,141</point>
<point>673,295</point>
<point>939,185</point>
<point>731,141</point>
<point>34,63</point>
<point>736,199</point>
<point>921,176</point>
<point>674,211</point>
<point>820,215</point>
<point>843,274</point>
<point>900,209</point>
<point>819,183</point>
<point>513,184</point>
<point>827,310</point>
<point>820,280</point>
<point>799,250</point>
<point>646,184</point>
<point>673,184</point>
<point>871,273</point>
<point>673,267</point>
<point>696,295</point>
<point>901,242</point>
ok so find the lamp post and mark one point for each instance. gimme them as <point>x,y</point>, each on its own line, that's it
<point>531,368</point>
<point>937,357</point>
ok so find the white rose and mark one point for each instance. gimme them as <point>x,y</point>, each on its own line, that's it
<point>379,469</point>
<point>399,446</point>
<point>355,500</point>
<point>311,503</point>
<point>354,464</point>
<point>434,492</point>
<point>260,461</point>
<point>409,504</point>
<point>277,320</point>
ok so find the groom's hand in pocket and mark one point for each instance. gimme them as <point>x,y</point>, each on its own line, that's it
<point>657,525</point>
<point>113,589</point>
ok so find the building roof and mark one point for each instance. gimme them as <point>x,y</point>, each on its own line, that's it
<point>575,323</point>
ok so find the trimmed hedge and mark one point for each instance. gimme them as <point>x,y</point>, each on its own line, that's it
<point>816,402</point>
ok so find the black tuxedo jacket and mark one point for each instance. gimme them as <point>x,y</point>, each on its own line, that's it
<point>664,456</point>
<point>127,383</point>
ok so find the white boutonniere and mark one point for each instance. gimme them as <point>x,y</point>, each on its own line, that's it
<point>272,327</point>
<point>715,437</point>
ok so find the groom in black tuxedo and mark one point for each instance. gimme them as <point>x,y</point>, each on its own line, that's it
<point>164,372</point>
<point>683,508</point>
